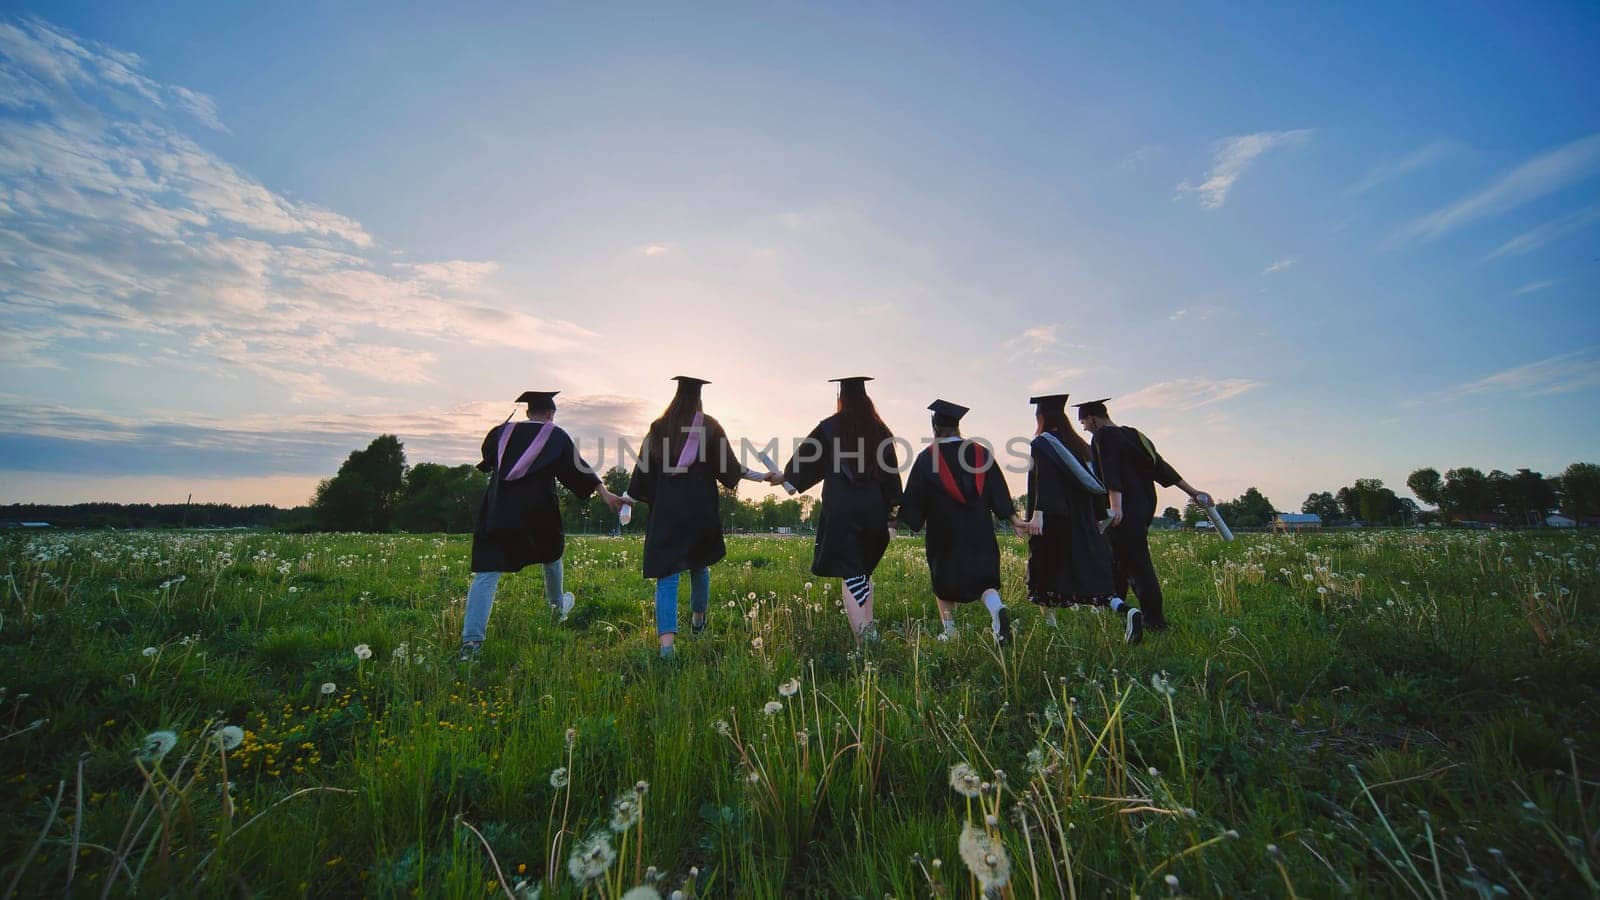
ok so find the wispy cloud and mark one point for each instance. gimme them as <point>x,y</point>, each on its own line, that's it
<point>1231,157</point>
<point>1055,379</point>
<point>1187,393</point>
<point>655,249</point>
<point>119,228</point>
<point>1534,286</point>
<point>1418,159</point>
<point>1279,266</point>
<point>1564,374</point>
<point>1553,230</point>
<point>40,437</point>
<point>1195,313</point>
<point>1538,177</point>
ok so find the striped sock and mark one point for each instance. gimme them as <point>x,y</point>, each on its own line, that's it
<point>860,588</point>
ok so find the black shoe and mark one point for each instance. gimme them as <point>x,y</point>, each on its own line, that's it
<point>470,650</point>
<point>1135,631</point>
<point>697,625</point>
<point>1004,634</point>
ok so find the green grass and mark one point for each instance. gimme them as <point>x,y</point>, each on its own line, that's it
<point>1381,713</point>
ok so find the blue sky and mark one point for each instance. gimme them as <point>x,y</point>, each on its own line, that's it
<point>1300,246</point>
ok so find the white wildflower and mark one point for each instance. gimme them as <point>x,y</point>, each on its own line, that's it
<point>328,687</point>
<point>591,858</point>
<point>789,688</point>
<point>642,892</point>
<point>964,780</point>
<point>985,857</point>
<point>756,643</point>
<point>363,651</point>
<point>151,651</point>
<point>229,736</point>
<point>625,811</point>
<point>772,708</point>
<point>157,744</point>
<point>559,778</point>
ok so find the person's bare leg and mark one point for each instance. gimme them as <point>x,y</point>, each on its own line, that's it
<point>947,616</point>
<point>858,602</point>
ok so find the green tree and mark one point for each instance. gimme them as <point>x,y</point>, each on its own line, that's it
<point>1427,485</point>
<point>1250,510</point>
<point>1171,513</point>
<point>1349,502</point>
<point>364,493</point>
<point>1193,513</point>
<point>1322,505</point>
<point>1580,490</point>
<point>1378,503</point>
<point>1467,493</point>
<point>440,498</point>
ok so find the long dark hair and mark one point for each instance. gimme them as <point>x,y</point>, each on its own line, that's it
<point>861,430</point>
<point>1057,423</point>
<point>671,431</point>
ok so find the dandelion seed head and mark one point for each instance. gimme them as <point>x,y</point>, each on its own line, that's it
<point>362,651</point>
<point>559,778</point>
<point>328,687</point>
<point>789,688</point>
<point>964,780</point>
<point>985,858</point>
<point>591,858</point>
<point>229,737</point>
<point>157,744</point>
<point>772,708</point>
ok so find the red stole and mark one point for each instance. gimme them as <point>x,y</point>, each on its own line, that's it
<point>947,478</point>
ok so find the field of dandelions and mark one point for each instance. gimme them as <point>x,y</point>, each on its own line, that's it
<point>243,714</point>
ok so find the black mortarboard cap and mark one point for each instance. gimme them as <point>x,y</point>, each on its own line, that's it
<point>855,384</point>
<point>1092,407</point>
<point>538,400</point>
<point>1050,402</point>
<point>946,414</point>
<point>688,385</point>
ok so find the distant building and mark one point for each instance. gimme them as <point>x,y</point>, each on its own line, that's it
<point>1296,522</point>
<point>1558,521</point>
<point>13,523</point>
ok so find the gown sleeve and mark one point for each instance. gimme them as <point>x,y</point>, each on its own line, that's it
<point>999,493</point>
<point>1047,484</point>
<point>642,484</point>
<point>1110,461</point>
<point>729,471</point>
<point>574,472</point>
<point>914,502</point>
<point>803,472</point>
<point>1163,472</point>
<point>489,446</point>
<point>889,478</point>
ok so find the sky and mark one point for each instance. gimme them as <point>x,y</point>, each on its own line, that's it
<point>1296,245</point>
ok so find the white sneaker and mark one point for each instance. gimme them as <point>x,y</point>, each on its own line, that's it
<point>567,602</point>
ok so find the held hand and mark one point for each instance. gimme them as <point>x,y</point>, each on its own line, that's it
<point>1204,499</point>
<point>774,478</point>
<point>893,533</point>
<point>1020,530</point>
<point>1036,524</point>
<point>1116,517</point>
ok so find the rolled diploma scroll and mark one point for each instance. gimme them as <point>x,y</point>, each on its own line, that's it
<point>1106,522</point>
<point>1216,521</point>
<point>625,514</point>
<point>773,468</point>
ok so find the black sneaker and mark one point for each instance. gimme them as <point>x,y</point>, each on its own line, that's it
<point>470,650</point>
<point>697,625</point>
<point>1004,634</point>
<point>1135,632</point>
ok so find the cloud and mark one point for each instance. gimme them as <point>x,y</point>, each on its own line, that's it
<point>1187,393</point>
<point>1533,287</point>
<point>1564,374</point>
<point>1555,229</point>
<point>1195,313</point>
<point>1279,266</point>
<point>118,228</point>
<point>1542,175</point>
<point>1054,379</point>
<point>1418,159</point>
<point>57,438</point>
<point>1232,156</point>
<point>655,249</point>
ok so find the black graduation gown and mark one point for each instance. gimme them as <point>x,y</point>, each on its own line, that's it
<point>853,529</point>
<point>685,527</point>
<point>963,555</point>
<point>519,522</point>
<point>1127,461</point>
<point>1071,561</point>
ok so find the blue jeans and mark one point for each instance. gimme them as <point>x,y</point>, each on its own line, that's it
<point>480,598</point>
<point>667,598</point>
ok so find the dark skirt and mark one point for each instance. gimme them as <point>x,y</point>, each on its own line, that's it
<point>1070,563</point>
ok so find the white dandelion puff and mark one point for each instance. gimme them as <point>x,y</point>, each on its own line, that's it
<point>757,643</point>
<point>642,892</point>
<point>157,744</point>
<point>229,737</point>
<point>625,811</point>
<point>964,780</point>
<point>362,651</point>
<point>328,687</point>
<point>985,857</point>
<point>789,688</point>
<point>772,708</point>
<point>591,858</point>
<point>559,778</point>
<point>151,651</point>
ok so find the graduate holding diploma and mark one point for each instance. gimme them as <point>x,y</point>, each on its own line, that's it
<point>1127,462</point>
<point>519,521</point>
<point>852,454</point>
<point>1069,559</point>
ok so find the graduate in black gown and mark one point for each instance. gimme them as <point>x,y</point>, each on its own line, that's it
<point>1127,462</point>
<point>1069,559</point>
<point>956,489</point>
<point>519,520</point>
<point>685,456</point>
<point>852,454</point>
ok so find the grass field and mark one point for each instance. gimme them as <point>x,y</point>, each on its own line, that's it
<point>1377,714</point>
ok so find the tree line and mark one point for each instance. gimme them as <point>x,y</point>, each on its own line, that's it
<point>375,490</point>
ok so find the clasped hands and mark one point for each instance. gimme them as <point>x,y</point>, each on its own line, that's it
<point>614,501</point>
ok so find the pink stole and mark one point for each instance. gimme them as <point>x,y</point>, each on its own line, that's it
<point>691,447</point>
<point>520,467</point>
